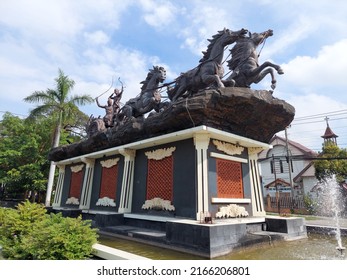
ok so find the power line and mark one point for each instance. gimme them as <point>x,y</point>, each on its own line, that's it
<point>345,118</point>
<point>322,115</point>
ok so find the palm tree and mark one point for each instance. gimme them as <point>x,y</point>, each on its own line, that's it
<point>57,104</point>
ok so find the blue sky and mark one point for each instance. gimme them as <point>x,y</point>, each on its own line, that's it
<point>95,41</point>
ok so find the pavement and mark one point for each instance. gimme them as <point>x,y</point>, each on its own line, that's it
<point>325,222</point>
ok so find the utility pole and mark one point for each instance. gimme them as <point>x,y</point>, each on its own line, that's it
<point>277,191</point>
<point>289,160</point>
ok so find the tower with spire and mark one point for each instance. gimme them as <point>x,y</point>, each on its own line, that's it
<point>329,136</point>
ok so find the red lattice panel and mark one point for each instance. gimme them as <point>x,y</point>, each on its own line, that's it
<point>108,186</point>
<point>160,178</point>
<point>76,184</point>
<point>229,179</point>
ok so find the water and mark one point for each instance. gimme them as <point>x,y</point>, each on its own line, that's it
<point>330,202</point>
<point>315,247</point>
<point>145,250</point>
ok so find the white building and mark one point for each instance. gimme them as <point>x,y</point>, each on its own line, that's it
<point>282,172</point>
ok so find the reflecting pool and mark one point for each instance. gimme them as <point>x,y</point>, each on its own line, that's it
<point>315,247</point>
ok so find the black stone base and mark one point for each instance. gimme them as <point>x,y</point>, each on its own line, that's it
<point>206,240</point>
<point>293,227</point>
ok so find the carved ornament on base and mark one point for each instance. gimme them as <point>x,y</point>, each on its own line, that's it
<point>72,200</point>
<point>232,211</point>
<point>160,153</point>
<point>228,148</point>
<point>106,201</point>
<point>158,203</point>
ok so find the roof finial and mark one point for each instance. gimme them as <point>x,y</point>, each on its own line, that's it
<point>326,119</point>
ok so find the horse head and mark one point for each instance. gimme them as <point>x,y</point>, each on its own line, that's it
<point>154,77</point>
<point>160,73</point>
<point>228,36</point>
<point>258,38</point>
<point>219,41</point>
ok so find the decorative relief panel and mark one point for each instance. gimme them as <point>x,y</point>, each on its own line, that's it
<point>232,211</point>
<point>158,204</point>
<point>254,150</point>
<point>106,201</point>
<point>160,153</point>
<point>228,148</point>
<point>77,168</point>
<point>109,162</point>
<point>72,200</point>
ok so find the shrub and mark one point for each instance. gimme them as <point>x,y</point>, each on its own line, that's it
<point>28,232</point>
<point>310,204</point>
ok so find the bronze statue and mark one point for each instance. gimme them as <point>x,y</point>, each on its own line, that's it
<point>108,118</point>
<point>116,96</point>
<point>244,62</point>
<point>208,74</point>
<point>210,71</point>
<point>149,99</point>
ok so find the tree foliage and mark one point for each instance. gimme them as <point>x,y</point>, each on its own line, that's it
<point>29,233</point>
<point>24,147</point>
<point>60,106</point>
<point>24,144</point>
<point>333,162</point>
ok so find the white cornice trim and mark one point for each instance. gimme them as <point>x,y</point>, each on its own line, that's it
<point>173,137</point>
<point>231,158</point>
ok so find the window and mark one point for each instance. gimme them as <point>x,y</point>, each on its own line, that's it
<point>229,179</point>
<point>160,178</point>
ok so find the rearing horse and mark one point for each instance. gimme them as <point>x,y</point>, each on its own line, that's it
<point>210,70</point>
<point>149,99</point>
<point>244,62</point>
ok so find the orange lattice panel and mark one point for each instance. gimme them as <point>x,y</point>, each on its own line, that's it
<point>229,179</point>
<point>108,186</point>
<point>76,184</point>
<point>160,178</point>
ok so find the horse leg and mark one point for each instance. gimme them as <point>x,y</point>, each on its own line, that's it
<point>127,113</point>
<point>257,76</point>
<point>179,92</point>
<point>262,74</point>
<point>212,79</point>
<point>275,66</point>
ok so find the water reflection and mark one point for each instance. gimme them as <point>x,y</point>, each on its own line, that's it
<point>315,247</point>
<point>145,250</point>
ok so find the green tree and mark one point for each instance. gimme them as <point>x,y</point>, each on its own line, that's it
<point>62,108</point>
<point>333,162</point>
<point>23,156</point>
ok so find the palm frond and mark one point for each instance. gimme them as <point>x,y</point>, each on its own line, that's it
<point>64,86</point>
<point>40,97</point>
<point>42,110</point>
<point>81,99</point>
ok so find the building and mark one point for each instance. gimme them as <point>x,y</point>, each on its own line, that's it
<point>187,173</point>
<point>287,168</point>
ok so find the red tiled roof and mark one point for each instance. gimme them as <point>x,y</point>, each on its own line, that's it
<point>302,148</point>
<point>277,181</point>
<point>329,133</point>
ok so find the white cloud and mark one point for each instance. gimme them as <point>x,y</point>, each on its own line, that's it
<point>327,70</point>
<point>308,132</point>
<point>40,18</point>
<point>158,13</point>
<point>88,41</point>
<point>97,37</point>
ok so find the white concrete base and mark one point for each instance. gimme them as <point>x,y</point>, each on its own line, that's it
<point>108,253</point>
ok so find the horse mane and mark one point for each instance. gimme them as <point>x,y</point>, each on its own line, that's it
<point>206,54</point>
<point>149,77</point>
<point>239,52</point>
